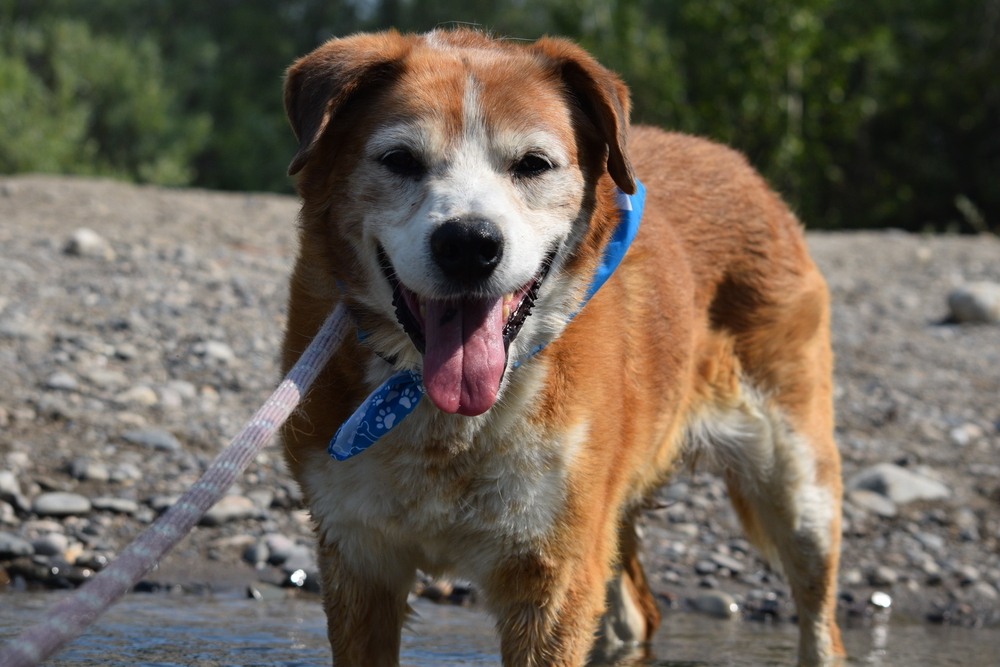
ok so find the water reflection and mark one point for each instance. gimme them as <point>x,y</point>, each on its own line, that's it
<point>166,630</point>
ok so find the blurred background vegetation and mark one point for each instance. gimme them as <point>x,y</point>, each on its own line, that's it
<point>863,113</point>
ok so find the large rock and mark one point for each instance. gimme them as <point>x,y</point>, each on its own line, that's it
<point>976,302</point>
<point>898,484</point>
<point>60,503</point>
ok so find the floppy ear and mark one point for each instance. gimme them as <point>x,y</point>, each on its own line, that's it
<point>319,84</point>
<point>602,97</point>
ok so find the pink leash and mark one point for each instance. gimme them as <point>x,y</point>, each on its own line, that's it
<point>68,619</point>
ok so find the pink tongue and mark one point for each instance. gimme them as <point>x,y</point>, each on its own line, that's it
<point>464,356</point>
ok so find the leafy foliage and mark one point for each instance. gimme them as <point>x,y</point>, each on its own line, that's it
<point>875,113</point>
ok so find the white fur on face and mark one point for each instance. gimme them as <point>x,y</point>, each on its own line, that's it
<point>469,176</point>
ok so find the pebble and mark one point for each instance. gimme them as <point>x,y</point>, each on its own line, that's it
<point>163,502</point>
<point>9,486</point>
<point>7,514</point>
<point>230,508</point>
<point>215,349</point>
<point>12,546</point>
<point>705,567</point>
<point>898,484</point>
<point>85,470</point>
<point>118,505</point>
<point>139,395</point>
<point>876,503</point>
<point>280,548</point>
<point>60,503</point>
<point>975,302</point>
<point>50,544</point>
<point>257,554</point>
<point>967,574</point>
<point>157,438</point>
<point>717,604</point>
<point>883,576</point>
<point>62,381</point>
<point>301,558</point>
<point>85,242</point>
<point>728,562</point>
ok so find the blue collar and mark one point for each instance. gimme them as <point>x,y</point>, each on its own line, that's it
<point>398,396</point>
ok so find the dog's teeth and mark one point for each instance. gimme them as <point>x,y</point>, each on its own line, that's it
<point>506,311</point>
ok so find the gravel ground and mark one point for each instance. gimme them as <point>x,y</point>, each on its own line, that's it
<point>129,357</point>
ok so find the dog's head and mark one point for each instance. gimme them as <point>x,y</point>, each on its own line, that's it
<point>452,183</point>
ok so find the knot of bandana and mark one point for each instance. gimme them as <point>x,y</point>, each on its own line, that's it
<point>398,396</point>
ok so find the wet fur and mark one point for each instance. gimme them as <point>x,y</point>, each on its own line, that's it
<point>711,341</point>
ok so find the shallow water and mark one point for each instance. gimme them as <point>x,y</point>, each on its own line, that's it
<point>165,630</point>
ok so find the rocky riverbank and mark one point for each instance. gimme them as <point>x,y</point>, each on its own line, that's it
<point>129,356</point>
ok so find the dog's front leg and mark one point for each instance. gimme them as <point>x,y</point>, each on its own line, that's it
<point>365,607</point>
<point>547,608</point>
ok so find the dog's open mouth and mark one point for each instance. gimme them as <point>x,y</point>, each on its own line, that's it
<point>464,340</point>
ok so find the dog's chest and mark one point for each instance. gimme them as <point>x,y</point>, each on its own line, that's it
<point>505,484</point>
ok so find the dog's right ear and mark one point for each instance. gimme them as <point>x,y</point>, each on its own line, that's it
<point>319,84</point>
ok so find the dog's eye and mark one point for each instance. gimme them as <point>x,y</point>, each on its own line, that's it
<point>402,162</point>
<point>531,164</point>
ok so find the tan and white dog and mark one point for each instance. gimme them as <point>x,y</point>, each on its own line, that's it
<point>452,184</point>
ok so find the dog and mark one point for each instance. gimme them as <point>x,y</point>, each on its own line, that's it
<point>465,197</point>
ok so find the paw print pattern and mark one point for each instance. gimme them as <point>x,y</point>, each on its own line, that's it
<point>379,413</point>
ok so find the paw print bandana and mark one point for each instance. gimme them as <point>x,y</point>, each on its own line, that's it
<point>397,397</point>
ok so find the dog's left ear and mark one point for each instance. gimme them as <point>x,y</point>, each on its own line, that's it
<point>602,97</point>
<point>320,84</point>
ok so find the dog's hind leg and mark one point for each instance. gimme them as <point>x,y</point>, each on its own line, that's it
<point>785,486</point>
<point>631,616</point>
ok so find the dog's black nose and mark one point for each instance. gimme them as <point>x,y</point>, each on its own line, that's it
<point>467,250</point>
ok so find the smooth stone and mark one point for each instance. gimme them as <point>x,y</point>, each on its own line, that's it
<point>83,469</point>
<point>262,498</point>
<point>50,544</point>
<point>985,591</point>
<point>728,562</point>
<point>9,486</point>
<point>85,242</point>
<point>157,438</point>
<point>716,603</point>
<point>126,471</point>
<point>62,381</point>
<point>7,514</point>
<point>883,576</point>
<point>257,553</point>
<point>876,503</point>
<point>230,508</point>
<point>215,349</point>
<point>163,502</point>
<point>12,546</point>
<point>119,505</point>
<point>60,503</point>
<point>930,541</point>
<point>280,547</point>
<point>301,558</point>
<point>967,575</point>
<point>976,302</point>
<point>140,395</point>
<point>705,567</point>
<point>107,379</point>
<point>898,484</point>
